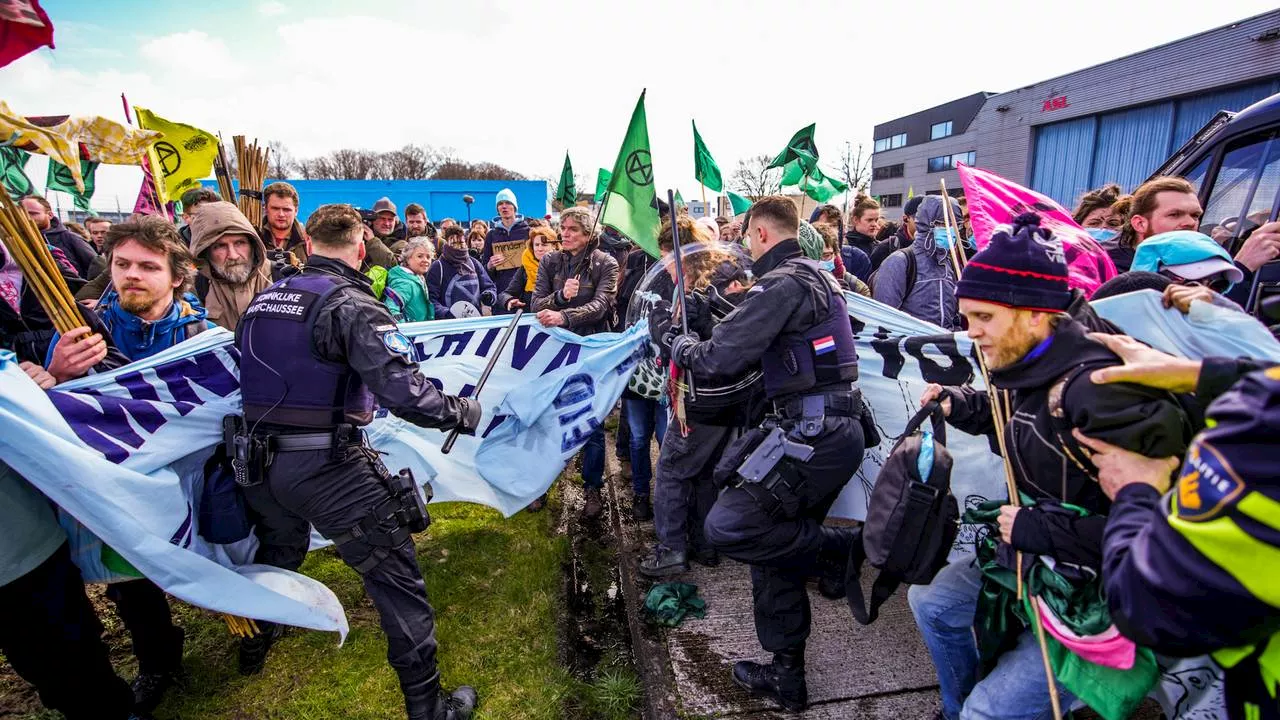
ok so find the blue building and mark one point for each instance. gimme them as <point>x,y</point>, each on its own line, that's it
<point>1111,123</point>
<point>441,198</point>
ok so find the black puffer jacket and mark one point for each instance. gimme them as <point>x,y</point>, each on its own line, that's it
<point>1147,421</point>
<point>592,309</point>
<point>77,249</point>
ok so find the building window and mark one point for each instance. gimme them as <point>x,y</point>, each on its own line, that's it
<point>940,130</point>
<point>949,162</point>
<point>891,143</point>
<point>887,172</point>
<point>892,200</point>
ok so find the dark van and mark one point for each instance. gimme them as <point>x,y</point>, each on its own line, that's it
<point>1234,164</point>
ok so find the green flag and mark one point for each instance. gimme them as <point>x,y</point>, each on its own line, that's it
<point>822,188</point>
<point>705,169</point>
<point>12,163</point>
<point>799,148</point>
<point>629,205</point>
<point>680,203</point>
<point>60,178</point>
<point>602,183</point>
<point>567,193</point>
<point>739,203</point>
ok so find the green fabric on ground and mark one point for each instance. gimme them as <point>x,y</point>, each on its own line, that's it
<point>669,603</point>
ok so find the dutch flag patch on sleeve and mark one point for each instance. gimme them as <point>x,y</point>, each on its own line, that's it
<point>822,346</point>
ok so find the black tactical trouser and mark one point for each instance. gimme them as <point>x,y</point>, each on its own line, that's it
<point>53,639</point>
<point>309,488</point>
<point>683,491</point>
<point>781,541</point>
<point>144,610</point>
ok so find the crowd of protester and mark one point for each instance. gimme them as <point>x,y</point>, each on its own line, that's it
<point>1105,426</point>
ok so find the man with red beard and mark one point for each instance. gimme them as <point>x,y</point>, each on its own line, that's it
<point>231,259</point>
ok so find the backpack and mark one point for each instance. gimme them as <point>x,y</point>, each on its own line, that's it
<point>912,520</point>
<point>911,273</point>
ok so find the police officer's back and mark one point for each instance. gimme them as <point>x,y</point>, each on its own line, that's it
<point>316,351</point>
<point>794,323</point>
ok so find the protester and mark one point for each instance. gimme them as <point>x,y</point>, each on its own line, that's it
<point>1175,582</point>
<point>25,327</point>
<point>77,249</point>
<point>323,330</point>
<point>732,232</point>
<point>231,261</point>
<point>576,289</point>
<point>280,232</point>
<point>1159,205</point>
<point>97,227</point>
<point>713,230</point>
<point>794,317</point>
<point>146,311</point>
<point>406,295</point>
<point>78,229</point>
<point>1188,257</point>
<point>456,277</point>
<point>520,292</point>
<point>1096,214</point>
<point>902,237</point>
<point>860,240</point>
<point>386,225</point>
<point>834,264</point>
<point>475,243</point>
<point>190,201</point>
<point>919,279</point>
<point>1013,293</point>
<point>480,225</point>
<point>417,223</point>
<point>508,227</point>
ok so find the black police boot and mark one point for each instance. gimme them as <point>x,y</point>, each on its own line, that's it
<point>663,561</point>
<point>706,556</point>
<point>641,509</point>
<point>781,680</point>
<point>150,685</point>
<point>423,701</point>
<point>253,650</point>
<point>833,561</point>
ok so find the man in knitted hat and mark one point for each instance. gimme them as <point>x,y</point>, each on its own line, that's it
<point>509,230</point>
<point>1013,294</point>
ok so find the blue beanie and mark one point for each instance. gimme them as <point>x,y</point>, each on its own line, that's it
<point>505,195</point>
<point>1022,267</point>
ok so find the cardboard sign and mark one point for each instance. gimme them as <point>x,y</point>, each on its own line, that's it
<point>511,251</point>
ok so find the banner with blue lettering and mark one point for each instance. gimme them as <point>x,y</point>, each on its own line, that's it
<point>123,452</point>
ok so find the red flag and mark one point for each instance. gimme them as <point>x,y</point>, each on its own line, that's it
<point>24,26</point>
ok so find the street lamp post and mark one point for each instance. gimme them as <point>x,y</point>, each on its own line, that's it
<point>468,200</point>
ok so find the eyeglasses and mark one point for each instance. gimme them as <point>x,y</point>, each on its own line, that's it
<point>1216,283</point>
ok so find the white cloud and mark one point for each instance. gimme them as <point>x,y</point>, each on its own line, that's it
<point>271,8</point>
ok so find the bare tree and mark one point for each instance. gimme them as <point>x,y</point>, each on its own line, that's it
<point>462,170</point>
<point>282,164</point>
<point>754,179</point>
<point>855,169</point>
<point>411,162</point>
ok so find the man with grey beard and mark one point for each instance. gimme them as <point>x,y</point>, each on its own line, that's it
<point>231,259</point>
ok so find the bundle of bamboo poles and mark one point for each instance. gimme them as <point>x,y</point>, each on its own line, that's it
<point>29,250</point>
<point>241,627</point>
<point>222,171</point>
<point>251,168</point>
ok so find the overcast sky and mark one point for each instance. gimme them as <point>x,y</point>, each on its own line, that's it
<point>520,82</point>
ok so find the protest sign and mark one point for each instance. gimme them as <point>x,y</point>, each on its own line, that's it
<point>511,251</point>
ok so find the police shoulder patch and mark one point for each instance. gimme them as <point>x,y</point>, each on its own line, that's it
<point>397,343</point>
<point>1208,484</point>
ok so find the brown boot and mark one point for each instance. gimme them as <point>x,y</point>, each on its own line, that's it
<point>594,504</point>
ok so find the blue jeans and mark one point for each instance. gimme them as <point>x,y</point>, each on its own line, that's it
<point>645,418</point>
<point>593,460</point>
<point>1014,690</point>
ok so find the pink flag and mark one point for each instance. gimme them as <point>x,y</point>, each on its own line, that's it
<point>146,203</point>
<point>994,201</point>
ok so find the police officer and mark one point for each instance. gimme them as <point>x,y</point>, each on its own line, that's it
<point>794,323</point>
<point>1191,571</point>
<point>316,350</point>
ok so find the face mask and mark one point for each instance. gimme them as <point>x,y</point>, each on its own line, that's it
<point>828,265</point>
<point>1102,234</point>
<point>943,237</point>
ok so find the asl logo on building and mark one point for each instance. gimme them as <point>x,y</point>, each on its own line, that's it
<point>1054,103</point>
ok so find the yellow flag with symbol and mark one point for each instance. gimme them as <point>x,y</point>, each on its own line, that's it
<point>181,158</point>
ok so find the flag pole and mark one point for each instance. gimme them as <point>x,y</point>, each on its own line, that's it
<point>681,288</point>
<point>154,189</point>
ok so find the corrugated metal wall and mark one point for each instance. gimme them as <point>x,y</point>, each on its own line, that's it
<point>1073,156</point>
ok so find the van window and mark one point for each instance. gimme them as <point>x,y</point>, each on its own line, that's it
<point>1244,191</point>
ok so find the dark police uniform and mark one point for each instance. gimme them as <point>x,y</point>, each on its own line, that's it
<point>1194,572</point>
<point>794,323</point>
<point>316,350</point>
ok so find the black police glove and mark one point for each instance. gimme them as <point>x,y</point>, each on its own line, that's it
<point>470,416</point>
<point>489,297</point>
<point>679,345</point>
<point>698,310</point>
<point>659,324</point>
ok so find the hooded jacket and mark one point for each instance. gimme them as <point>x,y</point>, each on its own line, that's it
<point>226,302</point>
<point>1137,418</point>
<point>406,296</point>
<point>899,240</point>
<point>933,297</point>
<point>519,230</point>
<point>591,310</point>
<point>77,249</point>
<point>138,339</point>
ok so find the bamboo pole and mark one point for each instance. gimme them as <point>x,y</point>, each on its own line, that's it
<point>30,251</point>
<point>1001,410</point>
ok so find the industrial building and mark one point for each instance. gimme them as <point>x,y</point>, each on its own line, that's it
<point>1114,122</point>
